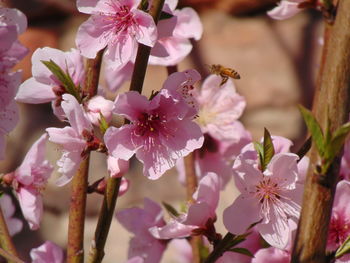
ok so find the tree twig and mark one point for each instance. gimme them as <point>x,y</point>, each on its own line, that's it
<point>333,94</point>
<point>5,238</point>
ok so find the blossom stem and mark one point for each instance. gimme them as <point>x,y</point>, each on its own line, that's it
<point>5,238</point>
<point>10,257</point>
<point>191,185</point>
<point>144,51</point>
<point>75,247</point>
<point>333,95</point>
<point>93,67</point>
<point>220,248</point>
<point>96,253</point>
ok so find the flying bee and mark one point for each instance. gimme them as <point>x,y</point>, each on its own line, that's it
<point>224,73</point>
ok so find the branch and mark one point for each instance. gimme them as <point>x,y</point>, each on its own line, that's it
<point>220,249</point>
<point>333,94</point>
<point>10,257</point>
<point>75,247</point>
<point>6,240</point>
<point>96,253</point>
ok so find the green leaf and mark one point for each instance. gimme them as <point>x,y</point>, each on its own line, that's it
<point>144,5</point>
<point>165,15</point>
<point>171,210</point>
<point>260,150</point>
<point>64,78</point>
<point>238,239</point>
<point>243,251</point>
<point>268,148</point>
<point>103,124</point>
<point>314,128</point>
<point>203,251</point>
<point>337,141</point>
<point>343,249</point>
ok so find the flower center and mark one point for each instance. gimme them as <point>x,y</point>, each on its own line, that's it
<point>124,19</point>
<point>339,230</point>
<point>149,124</point>
<point>267,190</point>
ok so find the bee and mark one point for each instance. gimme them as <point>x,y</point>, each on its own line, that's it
<point>224,73</point>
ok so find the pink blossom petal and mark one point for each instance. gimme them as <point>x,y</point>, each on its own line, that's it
<point>174,229</point>
<point>68,166</point>
<point>12,16</point>
<point>14,225</point>
<point>31,204</point>
<point>276,233</point>
<point>116,78</point>
<point>34,92</point>
<point>189,24</point>
<point>9,82</point>
<point>208,191</point>
<point>9,118</point>
<point>241,208</point>
<point>118,142</point>
<point>130,104</point>
<point>151,251</point>
<point>147,27</point>
<point>177,49</point>
<point>286,9</point>
<point>8,36</point>
<point>67,137</point>
<point>90,37</point>
<point>99,105</point>
<point>47,252</point>
<point>117,167</point>
<point>75,114</point>
<point>86,6</point>
<point>35,159</point>
<point>136,259</point>
<point>124,186</point>
<point>284,167</point>
<point>271,255</point>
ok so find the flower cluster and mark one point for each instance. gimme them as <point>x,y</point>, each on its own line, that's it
<point>12,23</point>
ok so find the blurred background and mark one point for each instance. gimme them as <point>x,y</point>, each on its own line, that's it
<point>277,61</point>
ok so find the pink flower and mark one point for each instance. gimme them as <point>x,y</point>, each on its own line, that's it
<point>44,86</point>
<point>99,105</point>
<point>8,121</point>
<point>272,255</point>
<point>271,197</point>
<point>200,213</point>
<point>276,255</point>
<point>180,85</point>
<point>47,252</point>
<point>159,133</point>
<point>214,156</point>
<point>285,9</point>
<point>138,221</point>
<point>9,82</point>
<point>72,139</point>
<point>117,167</point>
<point>116,78</point>
<point>220,107</point>
<point>13,17</point>
<point>117,25</point>
<point>30,178</point>
<point>339,228</point>
<point>14,225</point>
<point>11,51</point>
<point>345,162</point>
<point>173,43</point>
